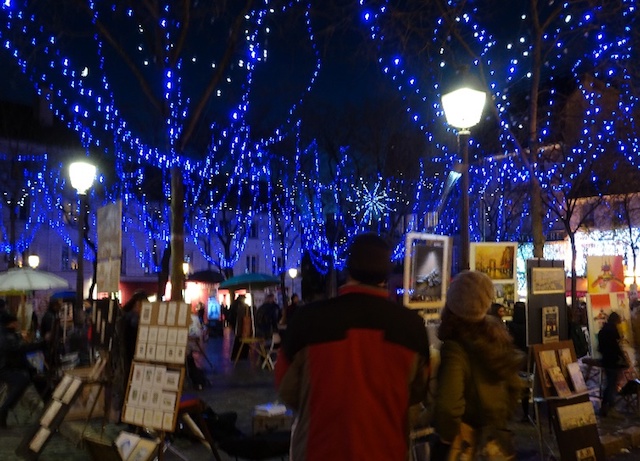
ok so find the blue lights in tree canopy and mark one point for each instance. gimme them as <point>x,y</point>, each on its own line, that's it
<point>185,100</point>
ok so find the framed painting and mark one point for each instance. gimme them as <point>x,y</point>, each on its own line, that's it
<point>496,259</point>
<point>547,280</point>
<point>426,270</point>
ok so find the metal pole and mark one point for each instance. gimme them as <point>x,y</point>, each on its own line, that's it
<point>80,273</point>
<point>463,138</point>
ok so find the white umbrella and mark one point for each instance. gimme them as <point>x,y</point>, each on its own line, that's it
<point>27,279</point>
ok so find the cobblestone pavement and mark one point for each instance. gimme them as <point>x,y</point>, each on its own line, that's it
<point>238,389</point>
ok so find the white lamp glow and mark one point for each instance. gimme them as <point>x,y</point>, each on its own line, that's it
<point>82,175</point>
<point>293,272</point>
<point>463,107</point>
<point>33,261</point>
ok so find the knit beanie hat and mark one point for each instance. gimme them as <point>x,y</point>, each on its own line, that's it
<point>369,259</point>
<point>470,295</point>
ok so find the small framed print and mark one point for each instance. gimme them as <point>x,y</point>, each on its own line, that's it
<point>145,397</point>
<point>155,397</point>
<point>172,336</point>
<point>172,380</point>
<point>170,355</point>
<point>162,314</point>
<point>162,335</point>
<point>161,353</point>
<point>62,387</point>
<point>180,354</point>
<point>171,313</point>
<point>134,396</point>
<point>153,335</point>
<point>183,315</point>
<point>141,351</point>
<point>138,371</point>
<point>38,440</point>
<point>148,418</point>
<point>51,413</point>
<point>149,372</point>
<point>138,418</point>
<point>157,419</point>
<point>158,377</point>
<point>183,337</point>
<point>167,422</point>
<point>129,414</point>
<point>71,392</point>
<point>145,313</point>
<point>168,401</point>
<point>151,351</point>
<point>143,333</point>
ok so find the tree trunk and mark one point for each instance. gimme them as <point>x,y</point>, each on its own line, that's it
<point>177,234</point>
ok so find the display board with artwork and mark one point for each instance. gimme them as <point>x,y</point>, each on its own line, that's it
<point>546,301</point>
<point>157,372</point>
<point>426,272</point>
<point>560,385</point>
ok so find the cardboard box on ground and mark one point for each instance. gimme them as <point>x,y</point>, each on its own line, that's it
<point>272,423</point>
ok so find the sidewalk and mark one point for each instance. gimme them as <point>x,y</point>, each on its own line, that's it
<point>239,389</point>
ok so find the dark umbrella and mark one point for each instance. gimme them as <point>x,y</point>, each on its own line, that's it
<point>250,281</point>
<point>206,276</point>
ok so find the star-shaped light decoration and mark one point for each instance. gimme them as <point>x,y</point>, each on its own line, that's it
<point>374,203</point>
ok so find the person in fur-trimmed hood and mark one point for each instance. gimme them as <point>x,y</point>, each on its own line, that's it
<point>478,382</point>
<point>350,367</point>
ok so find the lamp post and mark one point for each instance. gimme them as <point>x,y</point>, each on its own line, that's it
<point>293,273</point>
<point>463,109</point>
<point>82,175</point>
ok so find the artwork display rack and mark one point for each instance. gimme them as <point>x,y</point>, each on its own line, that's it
<point>569,408</point>
<point>62,400</point>
<point>157,373</point>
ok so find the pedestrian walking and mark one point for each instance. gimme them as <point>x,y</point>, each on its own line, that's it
<point>350,367</point>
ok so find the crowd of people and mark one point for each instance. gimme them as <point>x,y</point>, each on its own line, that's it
<point>368,359</point>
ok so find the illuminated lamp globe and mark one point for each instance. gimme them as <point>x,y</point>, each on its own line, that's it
<point>463,107</point>
<point>82,175</point>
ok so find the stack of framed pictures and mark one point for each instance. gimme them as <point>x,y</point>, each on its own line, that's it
<point>157,372</point>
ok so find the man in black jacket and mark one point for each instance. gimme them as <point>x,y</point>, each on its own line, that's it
<point>14,367</point>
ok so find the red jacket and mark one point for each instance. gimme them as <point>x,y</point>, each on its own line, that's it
<point>350,367</point>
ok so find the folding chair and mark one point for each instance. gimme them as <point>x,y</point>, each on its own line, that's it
<point>272,353</point>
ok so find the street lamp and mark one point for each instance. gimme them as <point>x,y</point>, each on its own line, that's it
<point>33,261</point>
<point>82,175</point>
<point>293,273</point>
<point>463,109</point>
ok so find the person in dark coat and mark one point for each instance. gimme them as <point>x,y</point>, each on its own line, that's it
<point>130,321</point>
<point>14,366</point>
<point>518,329</point>
<point>613,361</point>
<point>50,332</point>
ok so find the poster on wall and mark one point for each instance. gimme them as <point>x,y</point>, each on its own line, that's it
<point>426,270</point>
<point>605,274</point>
<point>496,259</point>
